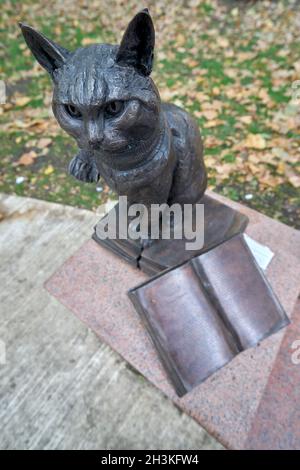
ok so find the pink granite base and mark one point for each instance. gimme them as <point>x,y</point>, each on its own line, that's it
<point>277,421</point>
<point>93,283</point>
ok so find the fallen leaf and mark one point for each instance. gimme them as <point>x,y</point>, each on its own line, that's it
<point>27,158</point>
<point>245,119</point>
<point>191,62</point>
<point>48,170</point>
<point>168,95</point>
<point>254,158</point>
<point>297,66</point>
<point>241,56</point>
<point>295,181</point>
<point>229,53</point>
<point>31,143</point>
<point>225,169</point>
<point>280,153</point>
<point>280,168</point>
<point>22,100</point>
<point>216,91</point>
<point>254,169</point>
<point>269,180</point>
<point>255,141</point>
<point>214,105</point>
<point>88,41</point>
<point>212,141</point>
<point>265,97</point>
<point>268,157</point>
<point>223,42</point>
<point>7,106</point>
<point>180,39</point>
<point>44,152</point>
<point>37,124</point>
<point>201,97</point>
<point>44,142</point>
<point>209,115</point>
<point>213,123</point>
<point>210,162</point>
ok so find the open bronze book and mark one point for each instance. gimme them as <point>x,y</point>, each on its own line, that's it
<point>201,314</point>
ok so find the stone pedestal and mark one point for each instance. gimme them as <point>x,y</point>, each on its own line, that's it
<point>234,404</point>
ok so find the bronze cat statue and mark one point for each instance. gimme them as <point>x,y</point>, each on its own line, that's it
<point>104,97</point>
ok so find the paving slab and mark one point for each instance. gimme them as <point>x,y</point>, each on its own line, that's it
<point>60,386</point>
<point>93,283</point>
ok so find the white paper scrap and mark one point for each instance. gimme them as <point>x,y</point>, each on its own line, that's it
<point>261,253</point>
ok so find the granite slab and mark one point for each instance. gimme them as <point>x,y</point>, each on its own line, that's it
<point>93,284</point>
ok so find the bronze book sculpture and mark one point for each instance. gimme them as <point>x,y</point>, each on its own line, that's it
<point>202,314</point>
<point>152,153</point>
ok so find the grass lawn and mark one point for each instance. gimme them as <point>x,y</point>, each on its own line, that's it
<point>232,64</point>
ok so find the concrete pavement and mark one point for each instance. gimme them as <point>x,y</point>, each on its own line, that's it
<point>60,387</point>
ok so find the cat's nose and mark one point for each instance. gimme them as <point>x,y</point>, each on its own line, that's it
<point>95,134</point>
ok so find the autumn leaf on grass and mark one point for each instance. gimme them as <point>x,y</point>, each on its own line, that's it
<point>43,143</point>
<point>281,154</point>
<point>213,123</point>
<point>210,162</point>
<point>280,168</point>
<point>22,100</point>
<point>210,115</point>
<point>168,95</point>
<point>223,171</point>
<point>223,42</point>
<point>242,56</point>
<point>88,41</point>
<point>212,141</point>
<point>295,181</point>
<point>190,62</point>
<point>27,158</point>
<point>37,124</point>
<point>215,105</point>
<point>43,152</point>
<point>48,170</point>
<point>269,180</point>
<point>180,39</point>
<point>255,141</point>
<point>246,119</point>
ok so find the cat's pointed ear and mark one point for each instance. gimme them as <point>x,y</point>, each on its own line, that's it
<point>51,56</point>
<point>137,45</point>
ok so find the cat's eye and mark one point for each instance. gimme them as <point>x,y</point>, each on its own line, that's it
<point>73,111</point>
<point>114,107</point>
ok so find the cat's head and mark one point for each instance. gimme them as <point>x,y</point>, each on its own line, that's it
<point>103,94</point>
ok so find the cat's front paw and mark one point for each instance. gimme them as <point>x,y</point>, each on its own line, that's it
<point>83,170</point>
